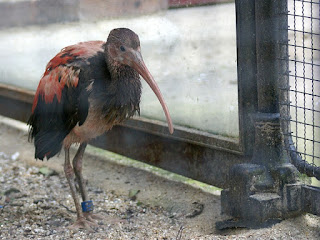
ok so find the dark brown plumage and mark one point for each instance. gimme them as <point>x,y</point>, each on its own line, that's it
<point>86,89</point>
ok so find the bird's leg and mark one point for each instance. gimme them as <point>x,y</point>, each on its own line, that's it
<point>77,166</point>
<point>68,170</point>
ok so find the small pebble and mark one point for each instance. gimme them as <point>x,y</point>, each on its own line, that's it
<point>15,156</point>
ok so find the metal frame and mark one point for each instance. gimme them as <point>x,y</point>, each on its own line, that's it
<point>265,189</point>
<point>247,70</point>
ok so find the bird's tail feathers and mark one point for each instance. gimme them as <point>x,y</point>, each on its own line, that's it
<point>48,144</point>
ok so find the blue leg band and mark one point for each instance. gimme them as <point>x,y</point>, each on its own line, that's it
<point>87,206</point>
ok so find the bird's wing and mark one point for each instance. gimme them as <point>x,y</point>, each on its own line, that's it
<point>61,99</point>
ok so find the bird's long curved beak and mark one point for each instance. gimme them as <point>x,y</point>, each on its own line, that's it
<point>140,67</point>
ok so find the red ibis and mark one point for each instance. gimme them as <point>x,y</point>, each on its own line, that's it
<point>86,89</point>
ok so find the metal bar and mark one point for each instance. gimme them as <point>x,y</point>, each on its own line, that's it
<point>305,154</point>
<point>266,42</point>
<point>304,93</point>
<point>247,70</point>
<point>307,139</point>
<point>316,80</point>
<point>304,83</point>
<point>185,134</point>
<point>298,122</point>
<point>304,1</point>
<point>16,93</point>
<point>308,63</point>
<point>284,73</point>
<point>303,16</point>
<point>298,46</point>
<point>295,79</point>
<point>304,32</point>
<point>291,105</point>
<point>269,19</point>
<point>303,166</point>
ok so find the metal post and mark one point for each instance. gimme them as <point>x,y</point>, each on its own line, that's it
<point>258,191</point>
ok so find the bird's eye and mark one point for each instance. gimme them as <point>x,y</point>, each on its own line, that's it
<point>122,48</point>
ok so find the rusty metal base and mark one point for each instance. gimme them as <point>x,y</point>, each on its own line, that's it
<point>250,206</point>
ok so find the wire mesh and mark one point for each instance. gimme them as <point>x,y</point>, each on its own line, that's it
<point>300,105</point>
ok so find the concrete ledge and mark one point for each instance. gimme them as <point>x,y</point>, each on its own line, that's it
<point>99,9</point>
<point>21,13</point>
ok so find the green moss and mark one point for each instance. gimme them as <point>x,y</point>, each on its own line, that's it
<point>125,161</point>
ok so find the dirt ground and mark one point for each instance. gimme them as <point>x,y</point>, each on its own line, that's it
<point>136,201</point>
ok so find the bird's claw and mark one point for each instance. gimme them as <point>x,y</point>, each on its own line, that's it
<point>83,223</point>
<point>92,217</point>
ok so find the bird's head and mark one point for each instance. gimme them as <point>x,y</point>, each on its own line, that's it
<point>123,48</point>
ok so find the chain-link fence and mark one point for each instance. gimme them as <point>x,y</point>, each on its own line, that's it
<point>300,105</point>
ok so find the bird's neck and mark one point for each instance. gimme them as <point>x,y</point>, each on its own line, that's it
<point>124,79</point>
<point>128,85</point>
<point>120,95</point>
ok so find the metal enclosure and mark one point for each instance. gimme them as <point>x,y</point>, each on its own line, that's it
<point>268,189</point>
<point>301,92</point>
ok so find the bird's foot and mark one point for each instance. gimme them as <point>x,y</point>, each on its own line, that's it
<point>92,217</point>
<point>83,223</point>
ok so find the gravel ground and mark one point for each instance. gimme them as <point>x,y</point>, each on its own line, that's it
<point>36,206</point>
<point>35,202</point>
